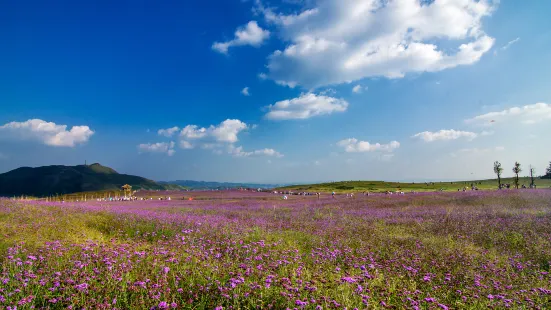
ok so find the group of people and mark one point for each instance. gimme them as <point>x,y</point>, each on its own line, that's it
<point>132,198</point>
<point>508,186</point>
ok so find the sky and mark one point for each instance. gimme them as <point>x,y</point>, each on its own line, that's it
<point>277,91</point>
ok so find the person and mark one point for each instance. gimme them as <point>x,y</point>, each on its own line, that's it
<point>333,194</point>
<point>318,195</point>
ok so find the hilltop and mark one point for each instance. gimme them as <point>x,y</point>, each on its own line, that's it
<point>52,180</point>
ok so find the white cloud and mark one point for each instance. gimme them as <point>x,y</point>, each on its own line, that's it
<point>239,152</point>
<point>444,134</point>
<point>478,151</point>
<point>169,132</point>
<point>215,138</point>
<point>358,89</point>
<point>353,145</point>
<point>328,92</point>
<point>225,132</point>
<point>528,114</point>
<point>306,106</point>
<point>245,91</point>
<point>47,132</point>
<point>338,41</point>
<point>186,145</point>
<point>262,76</point>
<point>506,46</point>
<point>228,130</point>
<point>211,146</point>
<point>160,147</point>
<point>193,132</point>
<point>250,34</point>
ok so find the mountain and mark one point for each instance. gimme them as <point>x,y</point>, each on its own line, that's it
<point>52,180</point>
<point>218,185</point>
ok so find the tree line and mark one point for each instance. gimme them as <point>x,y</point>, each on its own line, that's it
<point>517,169</point>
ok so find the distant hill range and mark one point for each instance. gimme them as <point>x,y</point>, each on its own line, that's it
<point>53,180</point>
<point>197,185</point>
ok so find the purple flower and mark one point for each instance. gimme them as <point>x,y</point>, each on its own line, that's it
<point>348,279</point>
<point>163,305</point>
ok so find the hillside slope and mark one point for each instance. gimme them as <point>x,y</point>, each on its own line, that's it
<point>52,180</point>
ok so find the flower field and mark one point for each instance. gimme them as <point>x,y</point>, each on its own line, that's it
<point>464,250</point>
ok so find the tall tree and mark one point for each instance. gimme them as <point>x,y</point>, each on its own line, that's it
<point>516,171</point>
<point>548,172</point>
<point>498,170</point>
<point>532,171</point>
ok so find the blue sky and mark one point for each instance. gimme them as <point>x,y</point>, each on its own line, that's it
<point>277,91</point>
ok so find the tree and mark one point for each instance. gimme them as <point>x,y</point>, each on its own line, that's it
<point>548,172</point>
<point>532,171</point>
<point>516,171</point>
<point>498,170</point>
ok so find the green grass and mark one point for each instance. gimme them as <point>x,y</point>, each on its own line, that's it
<point>382,186</point>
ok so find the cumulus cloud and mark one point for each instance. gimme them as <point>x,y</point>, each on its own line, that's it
<point>245,91</point>
<point>528,114</point>
<point>160,147</point>
<point>48,133</point>
<point>305,106</point>
<point>338,41</point>
<point>193,132</point>
<point>353,145</point>
<point>239,152</point>
<point>357,89</point>
<point>217,138</point>
<point>225,132</point>
<point>169,132</point>
<point>228,130</point>
<point>250,34</point>
<point>444,135</point>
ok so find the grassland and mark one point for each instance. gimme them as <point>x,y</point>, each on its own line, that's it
<point>466,250</point>
<point>381,186</point>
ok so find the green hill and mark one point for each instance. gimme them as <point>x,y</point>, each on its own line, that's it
<point>52,180</point>
<point>381,186</point>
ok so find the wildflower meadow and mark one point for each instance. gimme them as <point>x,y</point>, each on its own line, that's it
<point>233,250</point>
